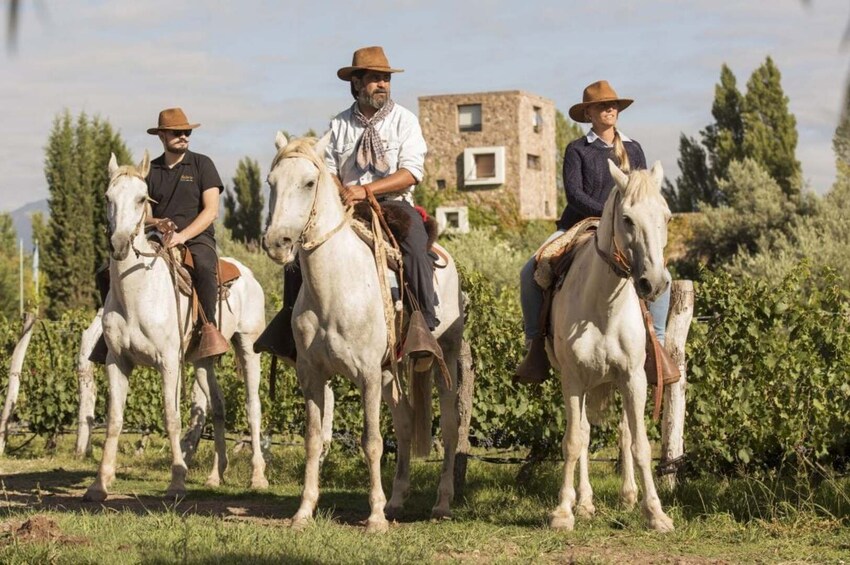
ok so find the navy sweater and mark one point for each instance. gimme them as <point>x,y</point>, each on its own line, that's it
<point>587,180</point>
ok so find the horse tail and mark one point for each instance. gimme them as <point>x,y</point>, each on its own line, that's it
<point>597,402</point>
<point>420,401</point>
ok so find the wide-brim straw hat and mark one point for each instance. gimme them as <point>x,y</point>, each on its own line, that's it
<point>173,119</point>
<point>367,59</point>
<point>599,91</point>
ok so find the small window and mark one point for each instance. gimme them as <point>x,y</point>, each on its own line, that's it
<point>469,117</point>
<point>538,119</point>
<point>532,162</point>
<point>483,166</point>
<point>441,184</point>
<point>546,208</point>
<point>453,220</point>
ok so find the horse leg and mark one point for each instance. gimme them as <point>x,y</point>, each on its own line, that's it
<point>403,426</point>
<point>250,364</point>
<point>197,416</point>
<point>171,407</point>
<point>205,371</point>
<point>117,376</point>
<point>628,490</point>
<point>314,396</point>
<point>373,448</point>
<point>327,423</point>
<point>562,517</point>
<point>584,506</point>
<point>634,401</point>
<point>449,427</point>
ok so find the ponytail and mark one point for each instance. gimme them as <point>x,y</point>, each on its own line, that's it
<point>620,153</point>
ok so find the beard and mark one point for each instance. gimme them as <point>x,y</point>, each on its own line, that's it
<point>376,100</point>
<point>180,150</point>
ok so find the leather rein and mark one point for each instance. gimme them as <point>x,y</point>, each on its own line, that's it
<point>615,258</point>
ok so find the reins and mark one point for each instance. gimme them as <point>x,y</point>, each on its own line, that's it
<point>615,258</point>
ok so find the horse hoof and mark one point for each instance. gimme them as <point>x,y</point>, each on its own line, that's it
<point>441,514</point>
<point>175,492</point>
<point>212,482</point>
<point>300,523</point>
<point>562,522</point>
<point>628,499</point>
<point>662,524</point>
<point>585,511</point>
<point>377,526</point>
<point>392,512</point>
<point>94,495</point>
<point>260,484</point>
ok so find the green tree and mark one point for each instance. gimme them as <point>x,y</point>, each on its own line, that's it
<point>243,203</point>
<point>74,241</point>
<point>770,130</point>
<point>566,131</point>
<point>9,282</point>
<point>695,184</point>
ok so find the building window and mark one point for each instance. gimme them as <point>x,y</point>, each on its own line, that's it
<point>453,220</point>
<point>532,162</point>
<point>546,208</point>
<point>483,165</point>
<point>441,184</point>
<point>469,117</point>
<point>538,119</point>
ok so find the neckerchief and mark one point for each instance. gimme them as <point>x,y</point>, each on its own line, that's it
<point>370,152</point>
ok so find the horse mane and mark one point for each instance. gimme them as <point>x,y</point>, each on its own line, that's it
<point>128,171</point>
<point>301,147</point>
<point>640,187</point>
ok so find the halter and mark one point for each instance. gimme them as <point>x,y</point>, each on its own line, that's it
<point>615,258</point>
<point>305,243</point>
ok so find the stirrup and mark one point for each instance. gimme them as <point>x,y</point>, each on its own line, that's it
<point>207,342</point>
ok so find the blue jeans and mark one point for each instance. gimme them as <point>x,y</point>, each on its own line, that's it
<point>531,300</point>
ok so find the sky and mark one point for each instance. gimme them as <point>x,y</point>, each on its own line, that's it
<point>246,69</point>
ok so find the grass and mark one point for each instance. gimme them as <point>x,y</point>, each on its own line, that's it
<point>497,519</point>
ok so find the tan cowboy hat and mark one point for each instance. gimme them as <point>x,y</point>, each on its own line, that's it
<point>367,59</point>
<point>599,91</point>
<point>172,118</point>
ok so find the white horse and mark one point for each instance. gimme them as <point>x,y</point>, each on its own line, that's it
<point>598,337</point>
<point>142,324</point>
<point>339,328</point>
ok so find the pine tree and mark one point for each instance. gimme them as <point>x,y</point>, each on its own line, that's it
<point>566,131</point>
<point>695,186</point>
<point>244,203</point>
<point>770,130</point>
<point>724,138</point>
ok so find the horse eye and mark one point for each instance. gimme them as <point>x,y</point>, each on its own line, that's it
<point>629,222</point>
<point>310,184</point>
<point>140,199</point>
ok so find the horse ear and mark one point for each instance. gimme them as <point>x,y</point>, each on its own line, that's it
<point>145,165</point>
<point>322,145</point>
<point>280,140</point>
<point>657,173</point>
<point>620,178</point>
<point>113,165</point>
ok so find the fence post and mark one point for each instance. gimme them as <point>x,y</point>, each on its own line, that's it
<point>466,391</point>
<point>673,422</point>
<point>15,368</point>
<point>87,388</point>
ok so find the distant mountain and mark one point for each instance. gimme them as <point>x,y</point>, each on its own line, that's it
<point>22,219</point>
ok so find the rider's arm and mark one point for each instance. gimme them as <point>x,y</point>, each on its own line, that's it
<point>205,218</point>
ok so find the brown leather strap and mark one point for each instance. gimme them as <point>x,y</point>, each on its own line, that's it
<point>652,341</point>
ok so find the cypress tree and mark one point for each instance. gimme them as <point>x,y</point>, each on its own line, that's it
<point>244,203</point>
<point>9,282</point>
<point>770,130</point>
<point>696,184</point>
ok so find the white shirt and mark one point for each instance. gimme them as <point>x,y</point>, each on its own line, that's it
<point>591,137</point>
<point>404,147</point>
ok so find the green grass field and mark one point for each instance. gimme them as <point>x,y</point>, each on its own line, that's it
<point>497,519</point>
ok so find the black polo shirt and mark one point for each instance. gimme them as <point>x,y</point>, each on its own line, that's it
<point>178,191</point>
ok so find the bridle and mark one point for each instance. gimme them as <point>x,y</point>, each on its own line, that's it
<point>304,241</point>
<point>615,258</point>
<point>141,221</point>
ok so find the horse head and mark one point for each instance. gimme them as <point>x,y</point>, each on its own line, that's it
<point>302,191</point>
<point>126,200</point>
<point>639,219</point>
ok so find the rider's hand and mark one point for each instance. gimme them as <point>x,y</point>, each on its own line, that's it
<point>176,239</point>
<point>352,194</point>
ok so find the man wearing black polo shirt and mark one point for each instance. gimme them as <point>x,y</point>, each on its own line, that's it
<point>185,187</point>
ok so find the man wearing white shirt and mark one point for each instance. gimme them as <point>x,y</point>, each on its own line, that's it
<point>378,144</point>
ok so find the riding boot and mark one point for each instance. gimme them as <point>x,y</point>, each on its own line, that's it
<point>534,368</point>
<point>207,341</point>
<point>277,338</point>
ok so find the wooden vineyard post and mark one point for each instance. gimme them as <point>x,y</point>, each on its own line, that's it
<point>466,392</point>
<point>15,368</point>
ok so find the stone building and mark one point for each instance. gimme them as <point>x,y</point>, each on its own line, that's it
<point>494,147</point>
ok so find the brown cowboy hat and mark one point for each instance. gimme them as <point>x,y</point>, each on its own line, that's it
<point>367,59</point>
<point>172,118</point>
<point>599,91</point>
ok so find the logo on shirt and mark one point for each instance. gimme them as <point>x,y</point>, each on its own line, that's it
<point>187,178</point>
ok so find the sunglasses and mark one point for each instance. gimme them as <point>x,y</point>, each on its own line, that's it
<point>180,132</point>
